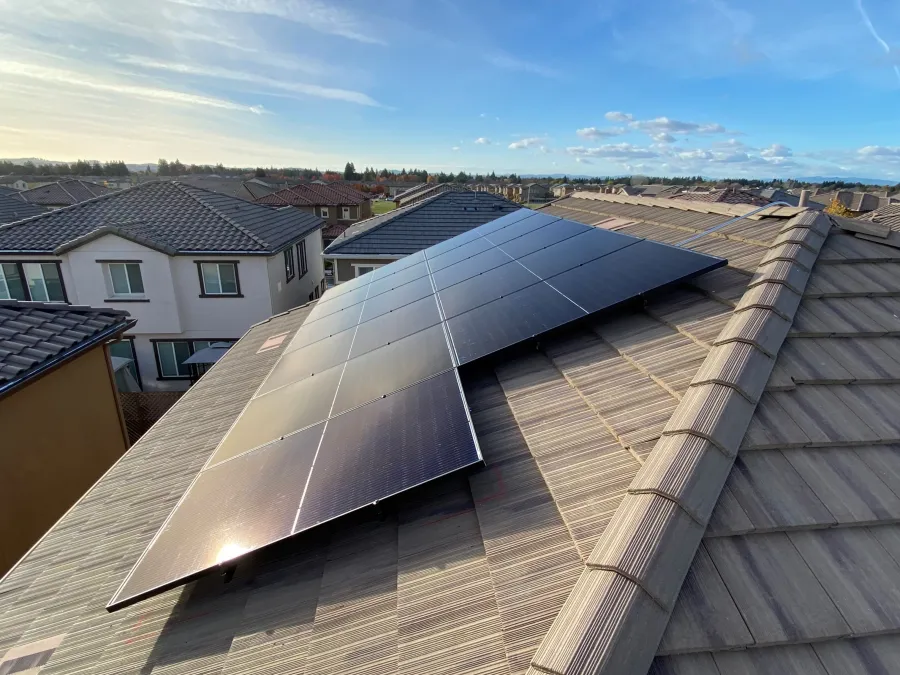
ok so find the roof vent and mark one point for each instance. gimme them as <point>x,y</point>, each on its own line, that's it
<point>30,657</point>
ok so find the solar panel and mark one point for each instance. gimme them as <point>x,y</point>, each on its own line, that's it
<point>366,402</point>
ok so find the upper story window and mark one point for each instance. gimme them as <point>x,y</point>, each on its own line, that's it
<point>124,279</point>
<point>289,270</point>
<point>345,213</point>
<point>219,279</point>
<point>38,281</point>
<point>301,256</point>
<point>323,211</point>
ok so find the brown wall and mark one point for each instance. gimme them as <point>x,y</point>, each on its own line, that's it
<point>57,437</point>
<point>345,268</point>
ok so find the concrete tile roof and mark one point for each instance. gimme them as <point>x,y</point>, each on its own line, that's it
<point>167,215</point>
<point>723,197</point>
<point>36,334</point>
<point>64,192</point>
<point>409,229</point>
<point>660,489</point>
<point>13,209</point>
<point>314,194</point>
<point>888,214</point>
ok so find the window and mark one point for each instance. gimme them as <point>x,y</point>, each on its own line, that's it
<point>11,286</point>
<point>301,256</point>
<point>219,278</point>
<point>38,281</point>
<point>128,377</point>
<point>322,287</point>
<point>365,269</point>
<point>170,357</point>
<point>316,293</point>
<point>323,211</point>
<point>345,213</point>
<point>289,263</point>
<point>125,279</point>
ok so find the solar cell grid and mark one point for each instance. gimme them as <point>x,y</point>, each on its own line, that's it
<point>365,401</point>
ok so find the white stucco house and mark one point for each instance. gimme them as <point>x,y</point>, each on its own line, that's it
<point>192,266</point>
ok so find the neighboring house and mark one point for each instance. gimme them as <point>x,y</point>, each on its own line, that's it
<point>7,191</point>
<point>233,187</point>
<point>64,193</point>
<point>888,215</point>
<point>14,182</point>
<point>727,196</point>
<point>192,266</point>
<point>858,202</point>
<point>13,208</point>
<point>535,192</point>
<point>659,191</point>
<point>61,424</point>
<point>706,482</point>
<point>562,189</point>
<point>339,205</point>
<point>408,229</point>
<point>398,188</point>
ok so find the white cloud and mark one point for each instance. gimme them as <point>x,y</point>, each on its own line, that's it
<point>319,16</point>
<point>879,151</point>
<point>455,148</point>
<point>507,62</point>
<point>878,39</point>
<point>776,150</point>
<point>670,126</point>
<point>614,151</point>
<point>615,116</point>
<point>526,143</point>
<point>695,154</point>
<point>482,141</point>
<point>228,74</point>
<point>732,158</point>
<point>581,160</point>
<point>69,78</point>
<point>593,133</point>
<point>663,137</point>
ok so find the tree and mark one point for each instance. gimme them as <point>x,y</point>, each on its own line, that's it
<point>349,171</point>
<point>162,168</point>
<point>837,208</point>
<point>260,172</point>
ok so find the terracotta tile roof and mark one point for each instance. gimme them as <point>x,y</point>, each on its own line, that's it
<point>315,194</point>
<point>35,334</point>
<point>660,492</point>
<point>64,193</point>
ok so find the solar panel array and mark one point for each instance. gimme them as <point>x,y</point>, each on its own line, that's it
<point>366,401</point>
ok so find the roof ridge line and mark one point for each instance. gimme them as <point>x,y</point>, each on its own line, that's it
<point>617,612</point>
<point>392,215</point>
<point>686,205</point>
<point>105,195</point>
<point>182,186</point>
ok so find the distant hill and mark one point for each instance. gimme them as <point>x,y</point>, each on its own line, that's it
<point>846,179</point>
<point>40,161</point>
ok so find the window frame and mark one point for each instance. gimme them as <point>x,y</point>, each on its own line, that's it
<point>237,278</point>
<point>114,296</point>
<point>301,256</point>
<point>323,212</point>
<point>23,280</point>
<point>349,211</point>
<point>290,264</point>
<point>195,371</point>
<point>356,267</point>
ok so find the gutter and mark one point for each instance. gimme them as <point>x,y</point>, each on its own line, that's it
<point>376,256</point>
<point>47,366</point>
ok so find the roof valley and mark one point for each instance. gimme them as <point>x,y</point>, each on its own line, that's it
<point>634,574</point>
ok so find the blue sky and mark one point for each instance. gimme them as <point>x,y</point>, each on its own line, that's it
<point>714,87</point>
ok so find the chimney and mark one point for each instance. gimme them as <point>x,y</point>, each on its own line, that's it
<point>804,198</point>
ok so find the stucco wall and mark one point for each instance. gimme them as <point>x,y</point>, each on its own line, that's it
<point>289,294</point>
<point>345,269</point>
<point>60,433</point>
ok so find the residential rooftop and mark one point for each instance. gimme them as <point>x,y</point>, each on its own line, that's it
<point>64,192</point>
<point>35,336</point>
<point>705,482</point>
<point>315,194</point>
<point>13,208</point>
<point>169,216</point>
<point>412,228</point>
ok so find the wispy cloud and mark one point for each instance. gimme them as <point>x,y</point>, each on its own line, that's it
<point>871,28</point>
<point>318,16</point>
<point>73,79</point>
<point>482,141</point>
<point>455,148</point>
<point>508,62</point>
<point>532,142</point>
<point>670,126</point>
<point>616,116</point>
<point>593,133</point>
<point>235,75</point>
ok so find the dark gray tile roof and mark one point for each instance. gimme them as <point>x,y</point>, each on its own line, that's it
<point>32,334</point>
<point>420,225</point>
<point>8,191</point>
<point>12,209</point>
<point>171,216</point>
<point>64,192</point>
<point>315,194</point>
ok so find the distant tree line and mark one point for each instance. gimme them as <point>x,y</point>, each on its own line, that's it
<point>80,168</point>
